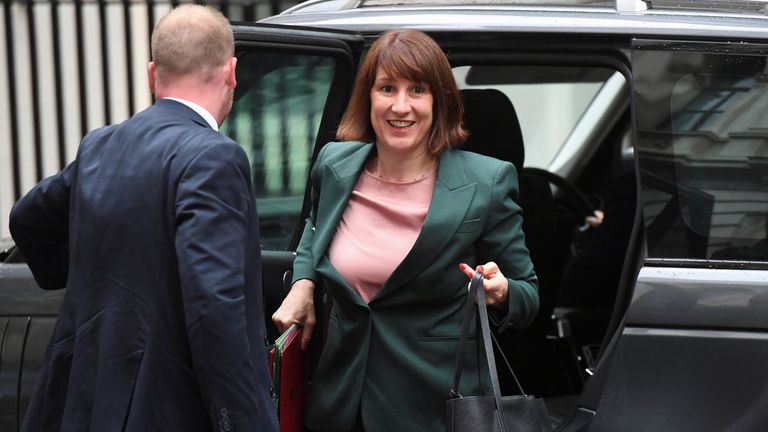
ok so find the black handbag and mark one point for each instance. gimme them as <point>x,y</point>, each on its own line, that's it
<point>523,413</point>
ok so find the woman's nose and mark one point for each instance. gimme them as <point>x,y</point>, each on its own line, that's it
<point>401,104</point>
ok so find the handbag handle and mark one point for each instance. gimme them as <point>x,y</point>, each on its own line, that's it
<point>477,297</point>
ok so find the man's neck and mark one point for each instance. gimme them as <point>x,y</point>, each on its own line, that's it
<point>196,92</point>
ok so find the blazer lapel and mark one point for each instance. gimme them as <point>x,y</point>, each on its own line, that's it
<point>338,182</point>
<point>450,201</point>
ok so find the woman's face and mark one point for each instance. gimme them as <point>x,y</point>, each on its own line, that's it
<point>401,113</point>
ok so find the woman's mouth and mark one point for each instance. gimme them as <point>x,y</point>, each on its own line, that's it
<point>400,124</point>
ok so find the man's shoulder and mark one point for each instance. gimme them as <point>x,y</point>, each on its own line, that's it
<point>159,132</point>
<point>97,135</point>
<point>100,132</point>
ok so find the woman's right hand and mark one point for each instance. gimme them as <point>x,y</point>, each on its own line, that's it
<point>298,308</point>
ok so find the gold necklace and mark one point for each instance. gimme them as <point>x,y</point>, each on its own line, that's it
<point>377,172</point>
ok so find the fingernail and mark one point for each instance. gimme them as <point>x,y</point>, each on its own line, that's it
<point>479,269</point>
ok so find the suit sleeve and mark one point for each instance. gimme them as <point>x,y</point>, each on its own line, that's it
<point>503,241</point>
<point>39,224</point>
<point>304,263</point>
<point>213,212</point>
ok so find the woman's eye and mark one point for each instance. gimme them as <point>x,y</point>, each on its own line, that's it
<point>386,88</point>
<point>419,90</point>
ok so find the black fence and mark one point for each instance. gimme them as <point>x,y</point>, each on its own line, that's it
<point>69,66</point>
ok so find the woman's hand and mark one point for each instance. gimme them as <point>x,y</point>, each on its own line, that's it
<point>298,308</point>
<point>495,284</point>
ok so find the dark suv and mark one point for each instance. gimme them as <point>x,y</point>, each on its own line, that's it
<point>654,112</point>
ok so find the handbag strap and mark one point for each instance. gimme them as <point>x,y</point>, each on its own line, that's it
<point>485,334</point>
<point>468,314</point>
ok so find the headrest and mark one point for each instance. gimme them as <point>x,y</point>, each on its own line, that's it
<point>493,126</point>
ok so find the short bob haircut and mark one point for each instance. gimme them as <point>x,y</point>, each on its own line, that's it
<point>412,55</point>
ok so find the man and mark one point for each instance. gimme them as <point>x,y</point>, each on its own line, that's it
<point>153,231</point>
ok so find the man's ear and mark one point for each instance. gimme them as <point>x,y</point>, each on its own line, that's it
<point>231,75</point>
<point>151,76</point>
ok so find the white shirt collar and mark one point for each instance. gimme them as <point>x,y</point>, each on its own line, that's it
<point>200,110</point>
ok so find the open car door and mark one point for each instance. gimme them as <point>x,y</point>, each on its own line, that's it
<point>690,348</point>
<point>292,88</point>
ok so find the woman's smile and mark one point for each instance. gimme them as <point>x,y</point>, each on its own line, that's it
<point>400,124</point>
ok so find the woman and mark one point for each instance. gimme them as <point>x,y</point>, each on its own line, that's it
<point>395,209</point>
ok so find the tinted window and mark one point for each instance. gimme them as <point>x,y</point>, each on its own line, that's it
<point>278,106</point>
<point>703,147</point>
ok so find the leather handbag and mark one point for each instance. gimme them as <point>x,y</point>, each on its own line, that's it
<point>521,413</point>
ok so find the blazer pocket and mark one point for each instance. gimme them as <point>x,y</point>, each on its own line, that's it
<point>438,353</point>
<point>451,339</point>
<point>468,226</point>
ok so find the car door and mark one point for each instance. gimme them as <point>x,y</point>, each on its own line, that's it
<point>293,85</point>
<point>690,355</point>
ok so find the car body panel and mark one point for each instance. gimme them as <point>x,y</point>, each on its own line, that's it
<point>20,295</point>
<point>529,19</point>
<point>685,380</point>
<point>700,298</point>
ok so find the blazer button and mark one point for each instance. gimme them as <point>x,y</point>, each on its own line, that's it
<point>313,228</point>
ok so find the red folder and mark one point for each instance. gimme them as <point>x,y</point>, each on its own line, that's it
<point>289,378</point>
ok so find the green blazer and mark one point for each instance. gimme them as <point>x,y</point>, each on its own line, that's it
<point>392,360</point>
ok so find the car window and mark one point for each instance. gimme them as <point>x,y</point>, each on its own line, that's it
<point>275,117</point>
<point>550,101</point>
<point>703,147</point>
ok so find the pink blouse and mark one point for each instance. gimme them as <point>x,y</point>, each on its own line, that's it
<point>378,229</point>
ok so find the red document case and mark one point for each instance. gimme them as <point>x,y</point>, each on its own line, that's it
<point>289,375</point>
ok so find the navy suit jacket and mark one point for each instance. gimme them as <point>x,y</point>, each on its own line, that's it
<point>153,231</point>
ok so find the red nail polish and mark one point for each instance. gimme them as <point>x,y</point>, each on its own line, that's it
<point>480,269</point>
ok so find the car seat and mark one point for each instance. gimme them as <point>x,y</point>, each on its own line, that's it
<point>495,131</point>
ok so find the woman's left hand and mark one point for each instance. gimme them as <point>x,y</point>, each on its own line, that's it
<point>495,284</point>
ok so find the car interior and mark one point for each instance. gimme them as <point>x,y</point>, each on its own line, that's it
<point>579,267</point>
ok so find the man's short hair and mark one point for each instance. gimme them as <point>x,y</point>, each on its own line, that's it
<point>191,39</point>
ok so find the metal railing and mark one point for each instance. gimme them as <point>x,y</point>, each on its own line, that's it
<point>70,66</point>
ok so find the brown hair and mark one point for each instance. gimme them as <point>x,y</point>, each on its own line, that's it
<point>191,39</point>
<point>412,55</point>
